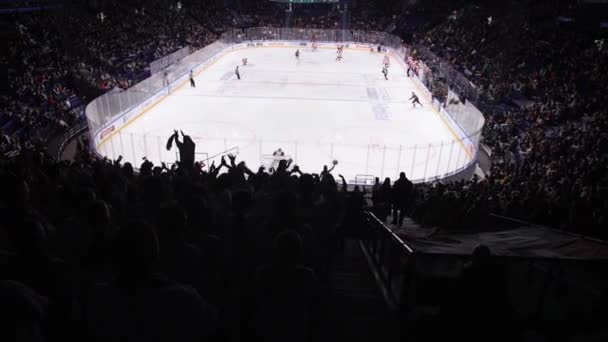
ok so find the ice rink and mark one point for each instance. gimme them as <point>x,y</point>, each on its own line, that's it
<point>315,109</point>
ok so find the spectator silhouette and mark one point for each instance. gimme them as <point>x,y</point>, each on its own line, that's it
<point>381,198</point>
<point>26,311</point>
<point>402,192</point>
<point>186,149</point>
<point>286,304</point>
<point>179,260</point>
<point>141,304</point>
<point>484,289</point>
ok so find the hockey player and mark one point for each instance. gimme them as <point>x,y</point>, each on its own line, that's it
<point>385,73</point>
<point>244,61</point>
<point>371,50</point>
<point>237,73</point>
<point>278,153</point>
<point>386,61</point>
<point>415,100</point>
<point>297,54</point>
<point>192,84</point>
<point>165,79</point>
<point>339,56</point>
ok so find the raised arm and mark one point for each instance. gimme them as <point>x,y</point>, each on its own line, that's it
<point>326,170</point>
<point>344,185</point>
<point>232,157</point>
<point>171,138</point>
<point>214,171</point>
<point>223,163</point>
<point>177,142</point>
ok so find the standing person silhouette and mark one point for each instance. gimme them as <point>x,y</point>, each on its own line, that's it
<point>402,192</point>
<point>186,149</point>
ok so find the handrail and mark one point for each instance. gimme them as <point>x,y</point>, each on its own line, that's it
<point>394,236</point>
<point>401,276</point>
<point>68,136</point>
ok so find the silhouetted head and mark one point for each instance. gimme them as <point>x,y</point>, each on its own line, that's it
<point>241,200</point>
<point>481,255</point>
<point>171,220</point>
<point>127,170</point>
<point>31,238</point>
<point>136,249</point>
<point>288,247</point>
<point>24,307</point>
<point>98,217</point>
<point>402,175</point>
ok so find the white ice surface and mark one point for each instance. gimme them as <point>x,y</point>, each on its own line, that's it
<point>315,109</point>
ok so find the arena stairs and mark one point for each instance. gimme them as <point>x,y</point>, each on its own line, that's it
<point>357,310</point>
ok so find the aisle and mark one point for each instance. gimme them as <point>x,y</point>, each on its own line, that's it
<point>357,310</point>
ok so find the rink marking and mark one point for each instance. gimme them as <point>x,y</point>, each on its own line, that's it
<point>365,100</point>
<point>308,83</point>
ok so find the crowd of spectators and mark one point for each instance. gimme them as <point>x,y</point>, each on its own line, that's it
<point>40,100</point>
<point>543,79</point>
<point>323,16</point>
<point>541,84</point>
<point>539,79</point>
<point>58,61</point>
<point>95,251</point>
